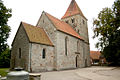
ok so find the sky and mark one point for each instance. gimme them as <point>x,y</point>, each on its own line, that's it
<point>29,11</point>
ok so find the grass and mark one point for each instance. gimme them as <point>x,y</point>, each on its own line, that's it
<point>4,71</point>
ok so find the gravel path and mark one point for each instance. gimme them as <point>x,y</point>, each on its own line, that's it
<point>91,73</point>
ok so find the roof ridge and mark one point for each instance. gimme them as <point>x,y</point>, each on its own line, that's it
<point>31,25</point>
<point>62,26</point>
<point>52,16</point>
<point>26,23</point>
<point>36,34</point>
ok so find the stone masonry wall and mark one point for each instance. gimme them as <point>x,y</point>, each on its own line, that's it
<point>37,62</point>
<point>82,29</point>
<point>61,61</point>
<point>49,28</point>
<point>68,61</point>
<point>21,41</point>
<point>47,25</point>
<point>87,54</point>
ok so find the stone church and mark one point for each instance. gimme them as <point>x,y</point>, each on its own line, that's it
<point>53,44</point>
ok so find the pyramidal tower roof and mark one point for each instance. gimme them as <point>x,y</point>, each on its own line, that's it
<point>73,9</point>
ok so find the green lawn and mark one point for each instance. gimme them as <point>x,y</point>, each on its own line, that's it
<point>4,71</point>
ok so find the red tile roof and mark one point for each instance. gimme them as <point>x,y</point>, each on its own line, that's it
<point>36,34</point>
<point>95,54</point>
<point>62,26</point>
<point>73,9</point>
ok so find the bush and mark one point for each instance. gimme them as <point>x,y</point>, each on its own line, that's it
<point>5,59</point>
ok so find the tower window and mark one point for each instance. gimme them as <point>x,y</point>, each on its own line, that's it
<point>19,52</point>
<point>66,21</point>
<point>66,43</point>
<point>43,53</point>
<point>75,29</point>
<point>73,20</point>
<point>78,31</point>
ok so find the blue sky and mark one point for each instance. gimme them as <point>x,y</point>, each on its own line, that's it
<point>30,10</point>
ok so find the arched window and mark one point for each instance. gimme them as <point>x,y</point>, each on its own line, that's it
<point>20,53</point>
<point>78,31</point>
<point>66,21</point>
<point>66,43</point>
<point>73,20</point>
<point>43,53</point>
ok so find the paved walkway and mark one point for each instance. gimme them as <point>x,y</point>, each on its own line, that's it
<point>91,73</point>
<point>100,73</point>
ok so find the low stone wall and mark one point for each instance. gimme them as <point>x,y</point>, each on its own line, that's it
<point>35,76</point>
<point>3,78</point>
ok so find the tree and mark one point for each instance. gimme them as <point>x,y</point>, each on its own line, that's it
<point>4,34</point>
<point>103,27</point>
<point>5,58</point>
<point>107,30</point>
<point>4,28</point>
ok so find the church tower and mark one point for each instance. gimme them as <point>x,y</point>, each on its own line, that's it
<point>77,20</point>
